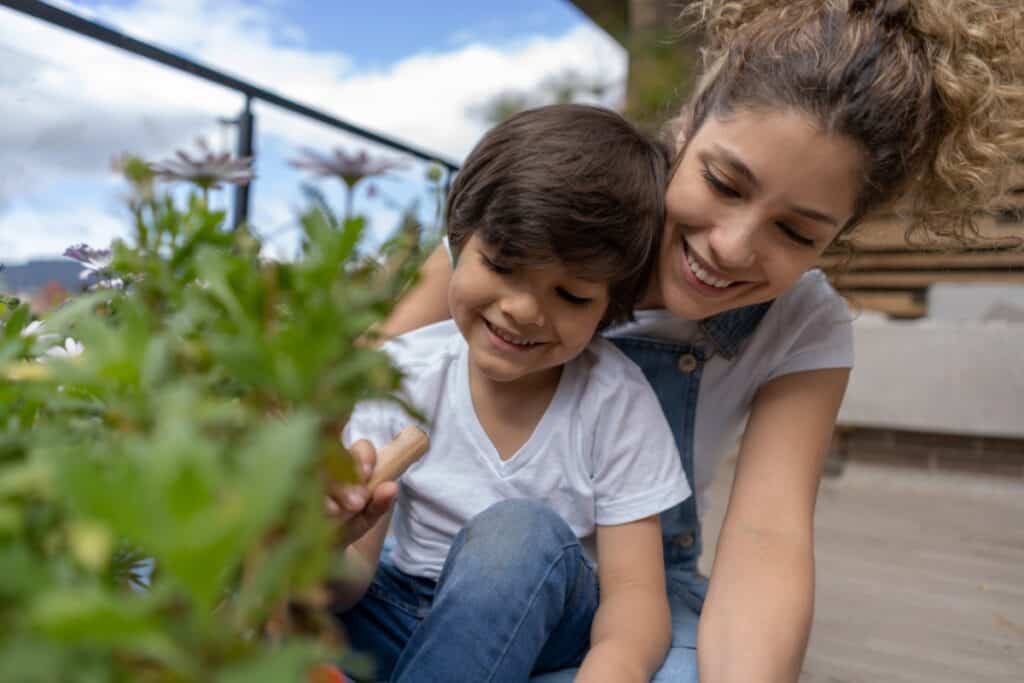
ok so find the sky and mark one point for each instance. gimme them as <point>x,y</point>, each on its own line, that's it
<point>414,71</point>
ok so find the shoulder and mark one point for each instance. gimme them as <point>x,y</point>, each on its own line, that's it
<point>613,387</point>
<point>808,327</point>
<point>608,369</point>
<point>812,296</point>
<point>431,346</point>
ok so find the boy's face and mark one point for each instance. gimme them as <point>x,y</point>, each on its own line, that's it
<point>522,321</point>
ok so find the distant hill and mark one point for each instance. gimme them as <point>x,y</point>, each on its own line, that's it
<point>31,276</point>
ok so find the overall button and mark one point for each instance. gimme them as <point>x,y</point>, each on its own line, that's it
<point>683,540</point>
<point>687,363</point>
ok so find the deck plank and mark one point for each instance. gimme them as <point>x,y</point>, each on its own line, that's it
<point>920,577</point>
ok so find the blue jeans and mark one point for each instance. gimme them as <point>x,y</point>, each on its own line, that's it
<point>516,596</point>
<point>686,593</point>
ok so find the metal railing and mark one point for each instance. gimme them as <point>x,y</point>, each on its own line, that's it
<point>246,121</point>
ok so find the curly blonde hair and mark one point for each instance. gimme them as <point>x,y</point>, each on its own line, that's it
<point>931,90</point>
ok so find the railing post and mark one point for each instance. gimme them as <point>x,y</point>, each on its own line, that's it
<point>246,128</point>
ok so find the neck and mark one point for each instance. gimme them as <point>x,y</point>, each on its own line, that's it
<point>521,397</point>
<point>652,294</point>
<point>516,392</point>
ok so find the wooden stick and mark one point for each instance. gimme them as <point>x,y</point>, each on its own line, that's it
<point>396,457</point>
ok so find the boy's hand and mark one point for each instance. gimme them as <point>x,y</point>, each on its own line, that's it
<point>361,506</point>
<point>358,507</point>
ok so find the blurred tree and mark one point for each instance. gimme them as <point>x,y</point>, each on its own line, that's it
<point>562,88</point>
<point>661,56</point>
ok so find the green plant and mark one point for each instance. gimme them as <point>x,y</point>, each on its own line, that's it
<point>161,492</point>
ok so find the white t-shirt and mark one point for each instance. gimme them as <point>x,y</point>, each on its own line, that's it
<point>806,328</point>
<point>602,453</point>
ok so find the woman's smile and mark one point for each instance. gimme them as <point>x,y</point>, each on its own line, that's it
<point>704,277</point>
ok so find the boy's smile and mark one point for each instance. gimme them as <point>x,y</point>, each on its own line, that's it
<point>522,324</point>
<point>503,338</point>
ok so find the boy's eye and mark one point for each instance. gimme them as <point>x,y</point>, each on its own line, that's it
<point>718,185</point>
<point>494,267</point>
<point>572,298</point>
<point>794,235</point>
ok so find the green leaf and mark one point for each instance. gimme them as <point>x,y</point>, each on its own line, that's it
<point>93,617</point>
<point>289,662</point>
<point>19,318</point>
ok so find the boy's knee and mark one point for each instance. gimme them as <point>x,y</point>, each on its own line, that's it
<point>514,531</point>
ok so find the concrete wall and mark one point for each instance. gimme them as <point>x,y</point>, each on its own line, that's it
<point>980,302</point>
<point>943,377</point>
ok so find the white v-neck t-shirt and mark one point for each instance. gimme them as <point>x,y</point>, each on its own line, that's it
<point>602,453</point>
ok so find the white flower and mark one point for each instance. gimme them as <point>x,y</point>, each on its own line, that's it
<point>71,349</point>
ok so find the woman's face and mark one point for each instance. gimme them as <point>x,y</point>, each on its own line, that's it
<point>752,205</point>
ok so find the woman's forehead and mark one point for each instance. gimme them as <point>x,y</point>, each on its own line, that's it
<point>782,153</point>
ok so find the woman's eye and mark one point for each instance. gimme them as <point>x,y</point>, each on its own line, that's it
<point>795,236</point>
<point>572,298</point>
<point>718,185</point>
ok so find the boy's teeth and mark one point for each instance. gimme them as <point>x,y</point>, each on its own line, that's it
<point>703,275</point>
<point>510,339</point>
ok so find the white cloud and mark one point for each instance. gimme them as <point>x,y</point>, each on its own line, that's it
<point>27,233</point>
<point>74,103</point>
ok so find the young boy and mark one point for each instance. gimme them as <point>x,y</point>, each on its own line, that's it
<point>543,438</point>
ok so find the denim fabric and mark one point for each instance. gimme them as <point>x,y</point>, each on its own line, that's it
<point>677,383</point>
<point>516,596</point>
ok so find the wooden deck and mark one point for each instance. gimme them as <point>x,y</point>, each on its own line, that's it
<point>920,577</point>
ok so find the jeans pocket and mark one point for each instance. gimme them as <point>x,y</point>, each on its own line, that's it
<point>410,594</point>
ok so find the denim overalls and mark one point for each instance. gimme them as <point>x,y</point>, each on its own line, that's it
<point>674,370</point>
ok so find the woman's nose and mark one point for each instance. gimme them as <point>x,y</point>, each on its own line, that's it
<point>733,246</point>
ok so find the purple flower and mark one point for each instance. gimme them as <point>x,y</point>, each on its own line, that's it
<point>349,168</point>
<point>209,170</point>
<point>96,265</point>
<point>93,260</point>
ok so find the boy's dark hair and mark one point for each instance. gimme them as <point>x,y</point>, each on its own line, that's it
<point>570,183</point>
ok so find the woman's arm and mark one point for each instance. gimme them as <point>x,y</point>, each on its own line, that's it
<point>427,301</point>
<point>757,618</point>
<point>632,628</point>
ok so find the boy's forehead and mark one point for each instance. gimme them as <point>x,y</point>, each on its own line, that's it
<point>543,258</point>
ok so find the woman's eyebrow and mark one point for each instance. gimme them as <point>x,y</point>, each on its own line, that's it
<point>814,215</point>
<point>737,165</point>
<point>741,168</point>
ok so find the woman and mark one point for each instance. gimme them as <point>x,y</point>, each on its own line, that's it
<point>810,116</point>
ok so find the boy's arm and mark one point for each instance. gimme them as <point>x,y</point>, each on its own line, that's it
<point>632,629</point>
<point>364,511</point>
<point>363,515</point>
<point>361,560</point>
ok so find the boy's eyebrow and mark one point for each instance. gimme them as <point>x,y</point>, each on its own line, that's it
<point>737,165</point>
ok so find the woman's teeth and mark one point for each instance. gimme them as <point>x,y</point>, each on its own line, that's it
<point>703,275</point>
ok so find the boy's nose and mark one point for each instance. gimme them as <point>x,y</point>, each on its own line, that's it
<point>522,308</point>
